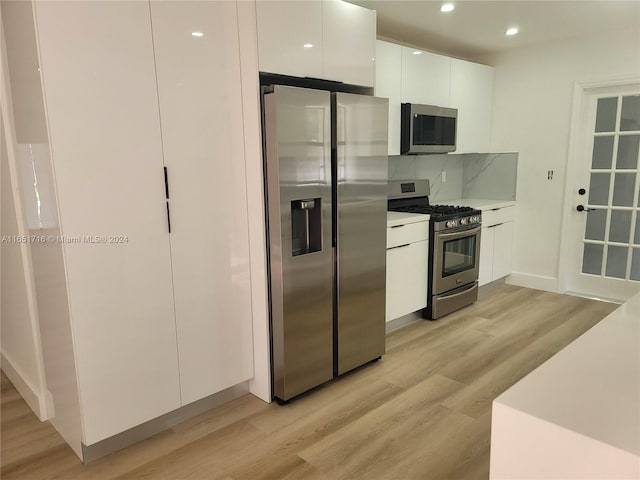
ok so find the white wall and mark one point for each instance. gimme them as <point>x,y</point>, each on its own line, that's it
<point>20,344</point>
<point>533,91</point>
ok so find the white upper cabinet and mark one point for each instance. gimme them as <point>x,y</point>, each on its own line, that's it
<point>388,85</point>
<point>290,37</point>
<point>425,77</point>
<point>105,142</point>
<point>472,94</point>
<point>409,75</point>
<point>328,39</point>
<point>200,99</point>
<point>349,33</point>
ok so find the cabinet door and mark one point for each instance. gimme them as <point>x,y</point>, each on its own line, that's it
<point>290,37</point>
<point>407,273</point>
<point>388,85</point>
<point>102,106</point>
<point>487,242</point>
<point>471,94</point>
<point>349,36</point>
<point>202,135</point>
<point>425,77</point>
<point>502,250</point>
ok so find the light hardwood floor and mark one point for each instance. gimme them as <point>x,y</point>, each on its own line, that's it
<point>422,412</point>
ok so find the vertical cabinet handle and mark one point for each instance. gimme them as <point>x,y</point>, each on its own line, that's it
<point>166,193</point>
<point>166,183</point>
<point>168,218</point>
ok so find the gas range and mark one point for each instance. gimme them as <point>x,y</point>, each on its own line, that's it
<point>413,197</point>
<point>454,246</point>
<point>444,217</point>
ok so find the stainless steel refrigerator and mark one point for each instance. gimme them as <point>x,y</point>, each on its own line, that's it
<point>326,188</point>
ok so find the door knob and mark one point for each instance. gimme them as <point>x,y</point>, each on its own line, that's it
<point>582,191</point>
<point>582,208</point>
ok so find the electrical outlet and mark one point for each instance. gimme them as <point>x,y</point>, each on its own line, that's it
<point>444,176</point>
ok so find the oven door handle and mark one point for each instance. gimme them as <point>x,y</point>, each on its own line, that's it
<point>463,233</point>
<point>457,294</point>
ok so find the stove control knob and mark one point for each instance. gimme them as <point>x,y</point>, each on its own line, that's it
<point>451,224</point>
<point>463,221</point>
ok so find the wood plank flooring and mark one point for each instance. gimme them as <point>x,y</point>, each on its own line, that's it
<point>422,412</point>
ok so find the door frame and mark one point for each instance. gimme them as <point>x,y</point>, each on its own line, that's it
<point>581,93</point>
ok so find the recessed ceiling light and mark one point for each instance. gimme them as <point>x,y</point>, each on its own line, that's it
<point>308,45</point>
<point>447,7</point>
<point>417,52</point>
<point>197,34</point>
<point>511,31</point>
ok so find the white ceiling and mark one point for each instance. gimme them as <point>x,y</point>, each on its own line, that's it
<point>477,27</point>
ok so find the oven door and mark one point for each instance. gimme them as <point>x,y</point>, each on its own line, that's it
<point>456,259</point>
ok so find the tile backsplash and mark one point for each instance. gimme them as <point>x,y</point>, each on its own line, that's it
<point>490,176</point>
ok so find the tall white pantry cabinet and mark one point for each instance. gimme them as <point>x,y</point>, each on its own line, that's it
<point>164,318</point>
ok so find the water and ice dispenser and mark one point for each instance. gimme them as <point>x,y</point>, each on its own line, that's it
<point>306,226</point>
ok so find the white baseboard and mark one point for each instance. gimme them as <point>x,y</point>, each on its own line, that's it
<point>35,399</point>
<point>538,282</point>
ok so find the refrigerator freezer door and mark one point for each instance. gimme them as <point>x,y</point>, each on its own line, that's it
<point>361,175</point>
<point>297,129</point>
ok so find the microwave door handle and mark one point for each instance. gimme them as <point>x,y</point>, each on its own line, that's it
<point>464,233</point>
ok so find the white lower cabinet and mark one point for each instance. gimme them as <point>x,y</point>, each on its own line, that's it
<point>487,247</point>
<point>496,244</point>
<point>158,319</point>
<point>503,246</point>
<point>407,269</point>
<point>406,279</point>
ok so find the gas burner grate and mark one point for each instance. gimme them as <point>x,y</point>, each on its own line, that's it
<point>434,210</point>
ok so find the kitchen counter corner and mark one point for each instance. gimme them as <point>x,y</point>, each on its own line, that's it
<point>395,219</point>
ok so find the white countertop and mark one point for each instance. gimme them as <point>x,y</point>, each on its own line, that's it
<point>592,386</point>
<point>479,203</point>
<point>583,402</point>
<point>401,218</point>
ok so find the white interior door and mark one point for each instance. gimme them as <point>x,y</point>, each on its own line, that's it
<point>603,246</point>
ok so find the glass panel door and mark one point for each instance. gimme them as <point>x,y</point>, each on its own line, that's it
<point>611,240</point>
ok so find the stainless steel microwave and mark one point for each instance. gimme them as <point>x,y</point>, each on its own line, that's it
<point>427,129</point>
